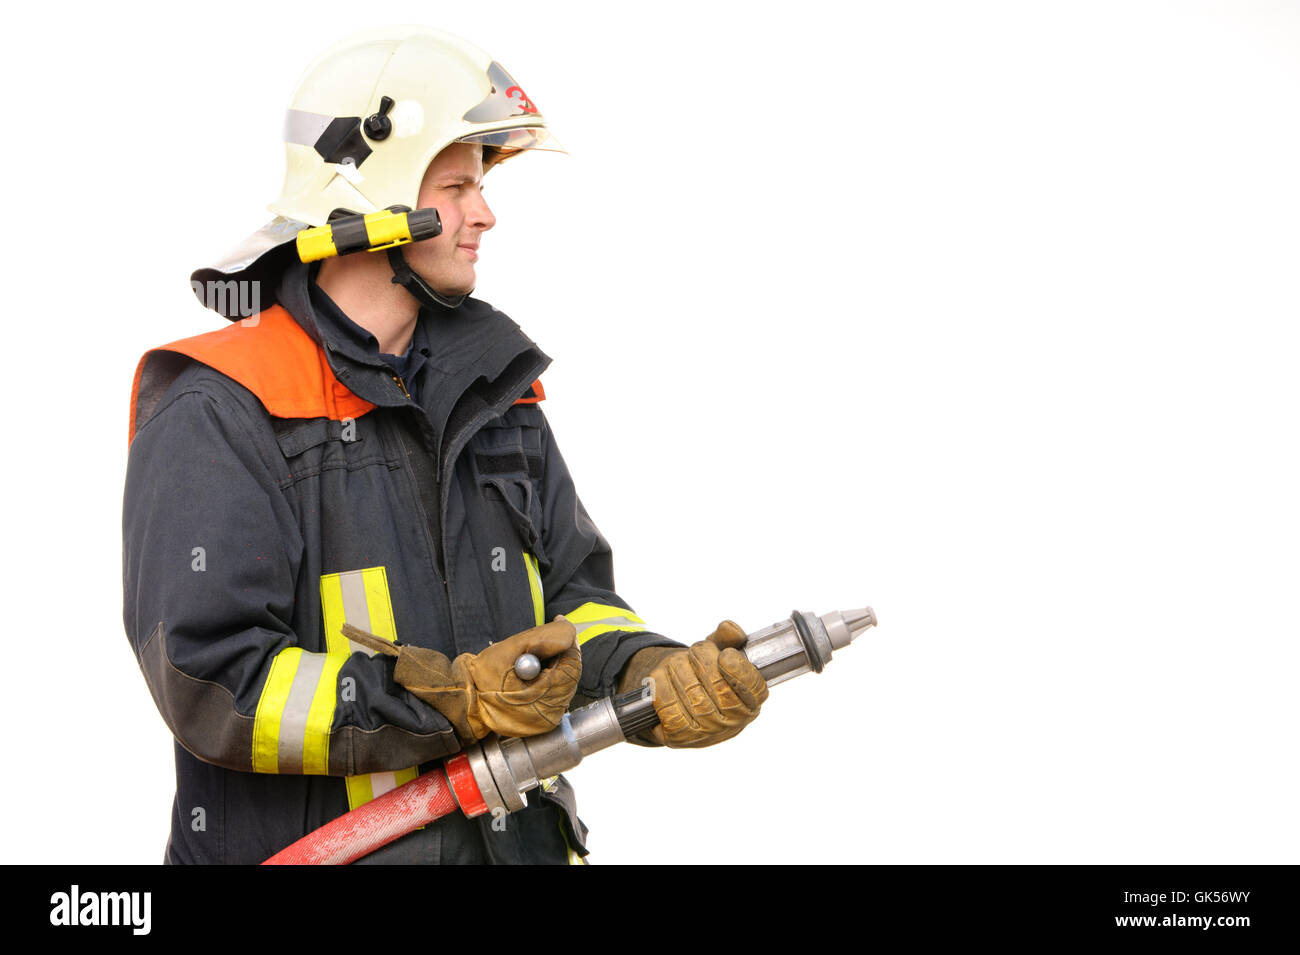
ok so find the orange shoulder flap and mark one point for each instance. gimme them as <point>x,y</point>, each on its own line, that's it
<point>535,394</point>
<point>272,357</point>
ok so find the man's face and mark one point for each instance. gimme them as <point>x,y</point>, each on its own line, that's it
<point>453,185</point>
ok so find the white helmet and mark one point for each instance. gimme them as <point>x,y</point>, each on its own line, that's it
<point>364,124</point>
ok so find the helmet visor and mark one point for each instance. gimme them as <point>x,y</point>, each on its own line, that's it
<point>513,140</point>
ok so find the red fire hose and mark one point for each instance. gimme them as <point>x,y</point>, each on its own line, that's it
<point>494,774</point>
<point>360,832</point>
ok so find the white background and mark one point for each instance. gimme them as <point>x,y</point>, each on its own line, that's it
<point>981,313</point>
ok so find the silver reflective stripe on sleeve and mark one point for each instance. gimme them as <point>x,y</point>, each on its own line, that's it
<point>293,721</point>
<point>593,619</point>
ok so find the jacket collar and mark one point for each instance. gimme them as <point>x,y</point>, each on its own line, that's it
<point>479,361</point>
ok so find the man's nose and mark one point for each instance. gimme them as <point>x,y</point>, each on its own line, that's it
<point>479,215</point>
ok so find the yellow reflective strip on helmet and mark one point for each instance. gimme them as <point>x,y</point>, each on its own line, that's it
<point>320,718</point>
<point>535,586</point>
<point>594,612</point>
<point>596,630</point>
<point>270,709</point>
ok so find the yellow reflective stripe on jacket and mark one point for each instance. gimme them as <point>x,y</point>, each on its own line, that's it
<point>535,587</point>
<point>574,857</point>
<point>291,731</point>
<point>374,785</point>
<point>320,717</point>
<point>361,598</point>
<point>358,597</point>
<point>539,614</point>
<point>593,619</point>
<point>548,785</point>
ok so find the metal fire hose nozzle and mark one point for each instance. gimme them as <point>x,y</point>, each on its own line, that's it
<point>505,769</point>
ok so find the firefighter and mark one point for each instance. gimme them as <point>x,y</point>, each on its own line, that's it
<point>364,444</point>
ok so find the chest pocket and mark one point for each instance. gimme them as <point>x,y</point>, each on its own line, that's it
<point>507,465</point>
<point>315,445</point>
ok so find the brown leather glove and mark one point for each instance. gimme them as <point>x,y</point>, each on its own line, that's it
<point>703,695</point>
<point>480,693</point>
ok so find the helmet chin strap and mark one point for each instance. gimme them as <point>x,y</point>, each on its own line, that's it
<point>422,291</point>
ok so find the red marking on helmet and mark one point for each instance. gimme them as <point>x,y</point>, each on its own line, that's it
<point>524,102</point>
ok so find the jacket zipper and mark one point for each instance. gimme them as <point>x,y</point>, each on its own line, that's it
<point>402,385</point>
<point>435,541</point>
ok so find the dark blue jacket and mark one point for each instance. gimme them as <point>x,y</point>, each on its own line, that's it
<point>267,505</point>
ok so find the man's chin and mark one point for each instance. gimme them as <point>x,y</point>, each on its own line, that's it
<point>446,288</point>
<point>458,291</point>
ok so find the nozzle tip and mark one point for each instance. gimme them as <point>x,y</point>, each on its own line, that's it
<point>859,620</point>
<point>845,626</point>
